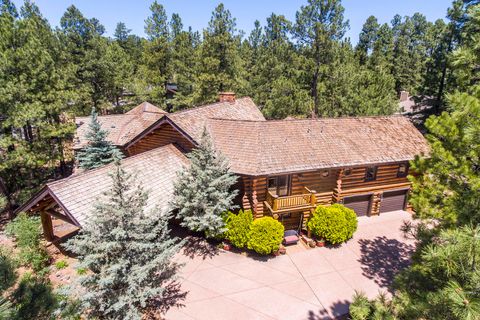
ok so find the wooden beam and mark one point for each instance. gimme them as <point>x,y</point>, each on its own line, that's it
<point>58,216</point>
<point>47,226</point>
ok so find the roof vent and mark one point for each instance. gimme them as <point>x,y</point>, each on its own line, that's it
<point>226,97</point>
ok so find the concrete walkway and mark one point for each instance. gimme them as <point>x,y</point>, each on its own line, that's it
<point>311,284</point>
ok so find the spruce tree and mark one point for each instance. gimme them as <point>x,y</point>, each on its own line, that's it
<point>128,251</point>
<point>98,151</point>
<point>203,192</point>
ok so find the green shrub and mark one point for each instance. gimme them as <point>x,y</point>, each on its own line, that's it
<point>266,235</point>
<point>81,271</point>
<point>360,307</point>
<point>8,275</point>
<point>3,202</point>
<point>27,232</point>
<point>34,298</point>
<point>335,224</point>
<point>238,228</point>
<point>61,264</point>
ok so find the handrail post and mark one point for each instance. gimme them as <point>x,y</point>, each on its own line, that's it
<point>313,198</point>
<point>275,203</point>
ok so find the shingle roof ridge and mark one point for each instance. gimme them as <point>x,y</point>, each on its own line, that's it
<point>124,161</point>
<point>313,119</point>
<point>195,108</point>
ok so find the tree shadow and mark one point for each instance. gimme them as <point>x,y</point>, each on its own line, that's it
<point>199,247</point>
<point>339,310</point>
<point>383,258</point>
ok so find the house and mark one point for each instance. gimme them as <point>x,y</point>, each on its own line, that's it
<point>285,167</point>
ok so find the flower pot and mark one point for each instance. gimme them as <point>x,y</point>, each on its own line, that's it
<point>311,244</point>
<point>276,252</point>
<point>226,247</point>
<point>320,243</point>
<point>282,250</point>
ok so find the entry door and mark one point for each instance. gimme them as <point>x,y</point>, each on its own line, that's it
<point>279,185</point>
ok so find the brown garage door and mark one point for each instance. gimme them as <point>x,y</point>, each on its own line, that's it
<point>359,204</point>
<point>393,200</point>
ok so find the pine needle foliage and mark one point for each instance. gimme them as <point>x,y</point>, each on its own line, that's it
<point>128,251</point>
<point>203,192</point>
<point>99,151</point>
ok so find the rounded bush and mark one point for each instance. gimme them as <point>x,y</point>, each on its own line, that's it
<point>266,235</point>
<point>238,228</point>
<point>335,224</point>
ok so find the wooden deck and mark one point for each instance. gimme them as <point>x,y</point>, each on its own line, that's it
<point>301,202</point>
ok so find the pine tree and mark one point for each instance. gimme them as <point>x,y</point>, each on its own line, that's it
<point>203,192</point>
<point>368,37</point>
<point>446,187</point>
<point>219,68</point>
<point>98,151</point>
<point>319,26</point>
<point>34,124</point>
<point>128,251</point>
<point>156,69</point>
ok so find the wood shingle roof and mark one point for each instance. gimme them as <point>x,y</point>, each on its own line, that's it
<point>270,147</point>
<point>77,194</point>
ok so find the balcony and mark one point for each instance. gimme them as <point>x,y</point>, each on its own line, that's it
<point>300,202</point>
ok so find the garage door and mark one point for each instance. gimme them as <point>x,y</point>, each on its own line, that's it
<point>393,200</point>
<point>359,204</point>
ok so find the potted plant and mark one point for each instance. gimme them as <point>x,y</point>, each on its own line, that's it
<point>226,246</point>
<point>321,242</point>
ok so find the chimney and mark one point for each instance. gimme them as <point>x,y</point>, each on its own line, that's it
<point>403,96</point>
<point>226,97</point>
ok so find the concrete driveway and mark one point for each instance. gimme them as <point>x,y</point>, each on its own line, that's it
<point>307,284</point>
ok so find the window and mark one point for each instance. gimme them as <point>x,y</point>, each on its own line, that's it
<point>370,173</point>
<point>402,170</point>
<point>278,185</point>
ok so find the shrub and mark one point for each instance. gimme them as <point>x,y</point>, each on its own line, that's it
<point>360,307</point>
<point>34,298</point>
<point>266,235</point>
<point>27,233</point>
<point>8,275</point>
<point>238,228</point>
<point>335,224</point>
<point>81,271</point>
<point>61,264</point>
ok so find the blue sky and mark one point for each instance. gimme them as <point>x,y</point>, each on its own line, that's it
<point>196,13</point>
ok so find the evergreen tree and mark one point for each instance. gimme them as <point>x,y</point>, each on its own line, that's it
<point>184,46</point>
<point>121,32</point>
<point>277,84</point>
<point>98,151</point>
<point>319,25</point>
<point>128,251</point>
<point>446,187</point>
<point>34,124</point>
<point>203,192</point>
<point>368,37</point>
<point>442,282</point>
<point>156,68</point>
<point>219,66</point>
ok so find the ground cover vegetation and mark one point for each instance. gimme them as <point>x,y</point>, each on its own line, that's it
<point>296,68</point>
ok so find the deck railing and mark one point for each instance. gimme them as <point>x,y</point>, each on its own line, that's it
<point>306,200</point>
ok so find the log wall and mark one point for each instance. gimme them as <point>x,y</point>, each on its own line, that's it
<point>329,189</point>
<point>163,135</point>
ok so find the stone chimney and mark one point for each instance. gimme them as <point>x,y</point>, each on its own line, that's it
<point>403,96</point>
<point>226,97</point>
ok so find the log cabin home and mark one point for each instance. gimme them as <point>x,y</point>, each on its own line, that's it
<point>285,168</point>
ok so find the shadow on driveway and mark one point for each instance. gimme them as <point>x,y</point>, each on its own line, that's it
<point>382,258</point>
